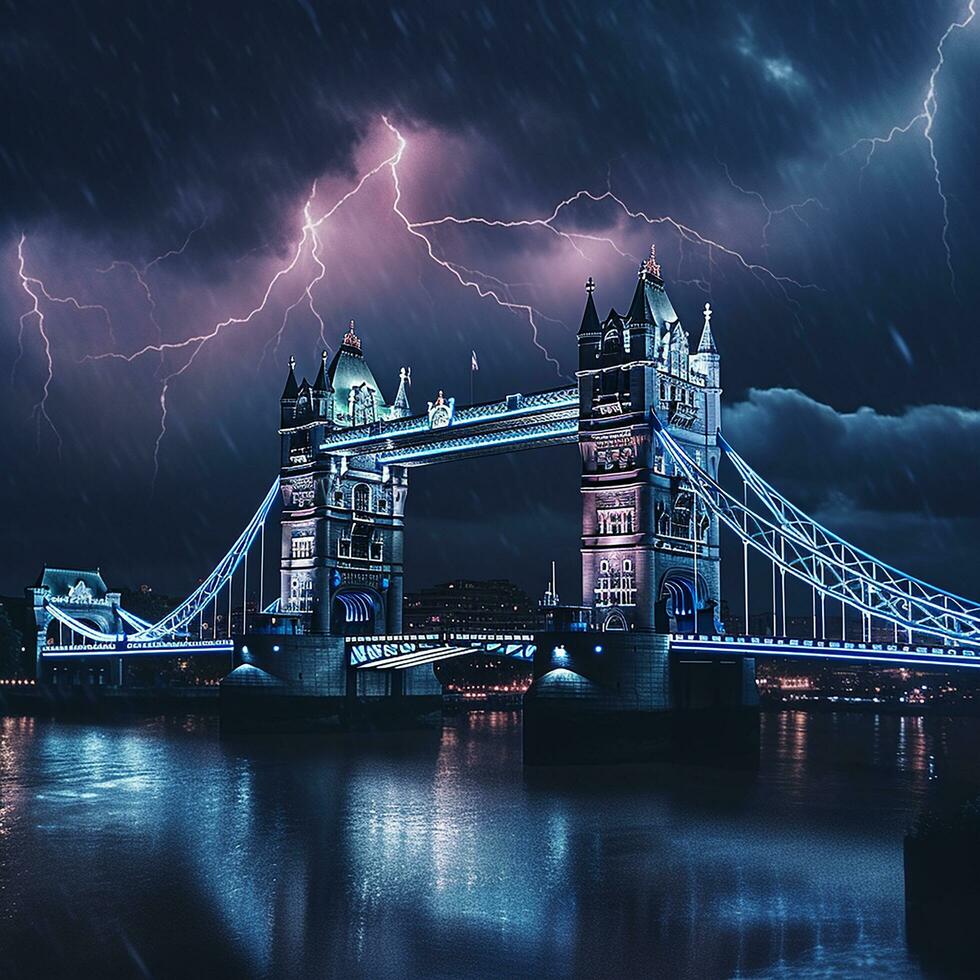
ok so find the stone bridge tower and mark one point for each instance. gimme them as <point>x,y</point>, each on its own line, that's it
<point>343,517</point>
<point>649,550</point>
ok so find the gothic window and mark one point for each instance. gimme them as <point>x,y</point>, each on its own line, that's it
<point>302,546</point>
<point>343,548</point>
<point>615,586</point>
<point>360,540</point>
<point>627,585</point>
<point>616,520</point>
<point>300,593</point>
<point>362,497</point>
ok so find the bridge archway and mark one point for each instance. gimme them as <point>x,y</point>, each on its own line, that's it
<point>615,621</point>
<point>677,600</point>
<point>357,611</point>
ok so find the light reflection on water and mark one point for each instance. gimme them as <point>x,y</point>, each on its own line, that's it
<point>157,848</point>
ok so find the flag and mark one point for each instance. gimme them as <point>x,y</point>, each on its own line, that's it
<point>474,364</point>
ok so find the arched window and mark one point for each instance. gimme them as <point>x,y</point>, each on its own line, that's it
<point>603,565</point>
<point>362,497</point>
<point>627,565</point>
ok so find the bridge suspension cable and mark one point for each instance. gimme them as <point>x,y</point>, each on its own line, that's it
<point>879,575</point>
<point>796,544</point>
<point>194,605</point>
<point>219,577</point>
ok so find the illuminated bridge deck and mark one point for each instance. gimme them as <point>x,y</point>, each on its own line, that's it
<point>413,650</point>
<point>147,648</point>
<point>893,654</point>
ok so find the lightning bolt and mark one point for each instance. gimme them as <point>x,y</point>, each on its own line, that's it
<point>307,293</point>
<point>795,209</point>
<point>455,271</point>
<point>196,343</point>
<point>28,283</point>
<point>140,272</point>
<point>685,233</point>
<point>927,114</point>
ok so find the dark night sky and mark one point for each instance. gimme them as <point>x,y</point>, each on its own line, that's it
<point>125,126</point>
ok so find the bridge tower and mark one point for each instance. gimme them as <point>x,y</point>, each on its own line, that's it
<point>649,551</point>
<point>650,557</point>
<point>83,594</point>
<point>343,517</point>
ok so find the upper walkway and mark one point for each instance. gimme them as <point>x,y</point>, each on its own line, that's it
<point>444,432</point>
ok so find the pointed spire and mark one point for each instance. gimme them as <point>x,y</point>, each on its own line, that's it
<point>590,318</point>
<point>321,383</point>
<point>291,390</point>
<point>707,344</point>
<point>639,308</point>
<point>401,408</point>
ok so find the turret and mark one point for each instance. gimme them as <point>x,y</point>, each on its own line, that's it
<point>707,363</point>
<point>642,343</point>
<point>287,403</point>
<point>589,331</point>
<point>400,408</point>
<point>322,392</point>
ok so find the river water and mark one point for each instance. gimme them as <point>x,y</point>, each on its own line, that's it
<point>157,848</point>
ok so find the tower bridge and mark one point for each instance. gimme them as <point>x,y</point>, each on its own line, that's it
<point>645,412</point>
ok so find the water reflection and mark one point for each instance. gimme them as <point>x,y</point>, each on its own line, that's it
<point>158,848</point>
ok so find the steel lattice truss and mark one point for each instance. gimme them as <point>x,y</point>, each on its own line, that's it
<point>799,545</point>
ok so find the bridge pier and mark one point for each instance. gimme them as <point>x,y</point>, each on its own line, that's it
<point>603,697</point>
<point>305,681</point>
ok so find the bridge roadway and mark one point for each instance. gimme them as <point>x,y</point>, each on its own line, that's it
<point>141,648</point>
<point>414,649</point>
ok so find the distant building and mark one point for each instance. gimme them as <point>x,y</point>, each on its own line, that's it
<point>494,606</point>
